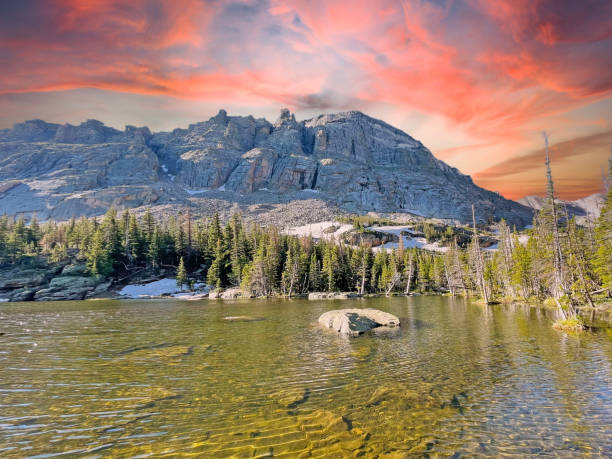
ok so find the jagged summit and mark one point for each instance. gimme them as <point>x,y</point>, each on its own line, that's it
<point>346,160</point>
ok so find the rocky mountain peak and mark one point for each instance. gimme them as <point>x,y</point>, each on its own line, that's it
<point>220,118</point>
<point>285,117</point>
<point>31,130</point>
<point>348,159</point>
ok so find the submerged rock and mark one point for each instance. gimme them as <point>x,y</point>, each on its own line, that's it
<point>354,322</point>
<point>292,397</point>
<point>332,295</point>
<point>243,318</point>
<point>161,351</point>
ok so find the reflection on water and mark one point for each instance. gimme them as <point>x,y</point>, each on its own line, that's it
<point>154,378</point>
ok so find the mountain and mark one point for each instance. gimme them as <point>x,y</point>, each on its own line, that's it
<point>287,170</point>
<point>589,206</point>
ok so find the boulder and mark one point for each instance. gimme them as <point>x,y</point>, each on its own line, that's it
<point>73,282</point>
<point>354,322</point>
<point>56,294</point>
<point>67,288</point>
<point>74,269</point>
<point>227,294</point>
<point>16,279</point>
<point>231,293</point>
<point>23,294</point>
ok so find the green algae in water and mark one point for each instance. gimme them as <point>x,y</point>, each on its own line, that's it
<point>122,379</point>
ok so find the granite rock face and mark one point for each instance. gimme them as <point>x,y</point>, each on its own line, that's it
<point>354,322</point>
<point>349,160</point>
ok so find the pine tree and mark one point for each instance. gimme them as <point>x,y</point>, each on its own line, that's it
<point>135,240</point>
<point>291,272</point>
<point>181,274</point>
<point>314,273</point>
<point>148,226</point>
<point>154,249</point>
<point>216,272</point>
<point>521,273</point>
<point>98,261</point>
<point>603,235</point>
<point>214,231</point>
<point>112,240</point>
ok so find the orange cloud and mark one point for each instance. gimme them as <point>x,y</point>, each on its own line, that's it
<point>576,166</point>
<point>498,71</point>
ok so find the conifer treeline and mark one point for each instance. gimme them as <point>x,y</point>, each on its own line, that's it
<point>263,262</point>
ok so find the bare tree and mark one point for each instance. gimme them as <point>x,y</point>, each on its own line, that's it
<point>409,272</point>
<point>479,261</point>
<point>457,268</point>
<point>449,281</point>
<point>558,286</point>
<point>363,269</point>
<point>395,278</point>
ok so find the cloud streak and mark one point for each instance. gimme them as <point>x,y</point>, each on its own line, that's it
<point>495,71</point>
<point>571,160</point>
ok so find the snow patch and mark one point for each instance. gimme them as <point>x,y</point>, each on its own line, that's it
<point>163,287</point>
<point>310,190</point>
<point>192,192</point>
<point>4,300</point>
<point>164,168</point>
<point>221,188</point>
<point>409,242</point>
<point>317,230</point>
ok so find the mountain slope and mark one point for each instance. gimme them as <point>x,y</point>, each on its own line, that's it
<point>589,206</point>
<point>342,162</point>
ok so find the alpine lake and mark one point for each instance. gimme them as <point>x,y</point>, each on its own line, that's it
<point>261,378</point>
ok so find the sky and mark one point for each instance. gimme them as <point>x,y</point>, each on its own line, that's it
<point>476,81</point>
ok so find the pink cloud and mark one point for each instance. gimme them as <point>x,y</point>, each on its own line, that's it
<point>498,70</point>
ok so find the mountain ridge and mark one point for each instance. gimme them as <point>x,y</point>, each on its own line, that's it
<point>587,207</point>
<point>348,161</point>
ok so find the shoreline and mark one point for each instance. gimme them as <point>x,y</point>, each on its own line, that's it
<point>604,312</point>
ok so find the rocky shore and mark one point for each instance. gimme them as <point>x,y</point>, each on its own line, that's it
<point>70,281</point>
<point>57,282</point>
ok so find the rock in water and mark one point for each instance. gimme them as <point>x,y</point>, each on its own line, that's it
<point>354,322</point>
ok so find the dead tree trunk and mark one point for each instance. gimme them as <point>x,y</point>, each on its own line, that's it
<point>393,282</point>
<point>558,284</point>
<point>449,281</point>
<point>479,261</point>
<point>457,263</point>
<point>410,268</point>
